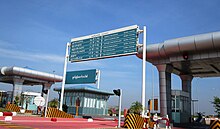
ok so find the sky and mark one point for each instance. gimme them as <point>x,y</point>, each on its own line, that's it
<point>34,34</point>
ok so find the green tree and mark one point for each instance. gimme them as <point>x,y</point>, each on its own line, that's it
<point>216,104</point>
<point>136,108</point>
<point>54,103</point>
<point>27,101</point>
<point>17,100</point>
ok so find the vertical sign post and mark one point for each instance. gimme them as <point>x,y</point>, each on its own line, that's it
<point>118,92</point>
<point>153,90</point>
<point>64,75</point>
<point>119,114</point>
<point>48,93</point>
<point>144,69</point>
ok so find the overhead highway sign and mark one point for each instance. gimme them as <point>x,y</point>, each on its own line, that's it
<point>119,42</point>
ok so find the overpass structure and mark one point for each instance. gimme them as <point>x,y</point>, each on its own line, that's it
<point>18,77</point>
<point>187,57</point>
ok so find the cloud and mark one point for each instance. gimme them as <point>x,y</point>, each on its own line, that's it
<point>30,56</point>
<point>5,44</point>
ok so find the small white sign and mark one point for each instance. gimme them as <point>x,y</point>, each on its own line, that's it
<point>39,101</point>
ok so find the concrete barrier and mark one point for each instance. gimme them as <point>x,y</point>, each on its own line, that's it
<point>215,124</point>
<point>134,121</point>
<point>53,112</point>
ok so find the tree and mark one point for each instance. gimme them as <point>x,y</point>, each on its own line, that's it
<point>216,105</point>
<point>17,100</point>
<point>54,103</point>
<point>27,101</point>
<point>136,108</point>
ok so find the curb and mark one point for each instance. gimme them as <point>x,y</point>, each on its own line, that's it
<point>8,113</point>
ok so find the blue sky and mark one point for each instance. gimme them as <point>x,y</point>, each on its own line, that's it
<point>35,33</point>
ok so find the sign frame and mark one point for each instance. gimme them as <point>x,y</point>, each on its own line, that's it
<point>138,31</point>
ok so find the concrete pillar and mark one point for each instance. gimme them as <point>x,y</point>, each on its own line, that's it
<point>17,88</point>
<point>186,86</point>
<point>165,89</point>
<point>45,88</point>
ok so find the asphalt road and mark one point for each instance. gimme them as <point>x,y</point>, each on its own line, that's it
<point>31,122</point>
<point>19,122</point>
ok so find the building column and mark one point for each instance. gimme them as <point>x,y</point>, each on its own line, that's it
<point>165,89</point>
<point>186,86</point>
<point>45,90</point>
<point>17,88</point>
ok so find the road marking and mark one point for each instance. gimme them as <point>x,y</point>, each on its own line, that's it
<point>61,121</point>
<point>14,126</point>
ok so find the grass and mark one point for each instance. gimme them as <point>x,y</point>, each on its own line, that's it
<point>4,110</point>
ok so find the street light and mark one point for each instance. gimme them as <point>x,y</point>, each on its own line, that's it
<point>118,92</point>
<point>193,101</point>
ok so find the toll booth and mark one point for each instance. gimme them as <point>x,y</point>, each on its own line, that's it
<point>85,100</point>
<point>3,98</point>
<point>180,106</point>
<point>27,100</point>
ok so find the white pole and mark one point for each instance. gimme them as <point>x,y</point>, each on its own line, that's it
<point>119,111</point>
<point>152,90</point>
<point>175,107</point>
<point>48,93</point>
<point>99,75</point>
<point>64,75</point>
<point>143,70</point>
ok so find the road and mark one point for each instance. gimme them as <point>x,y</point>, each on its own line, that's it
<point>20,122</point>
<point>30,122</point>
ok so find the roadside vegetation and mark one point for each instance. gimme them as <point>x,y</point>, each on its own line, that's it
<point>4,110</point>
<point>54,103</point>
<point>216,105</point>
<point>136,108</point>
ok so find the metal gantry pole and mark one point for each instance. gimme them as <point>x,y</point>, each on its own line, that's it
<point>64,75</point>
<point>152,90</point>
<point>143,70</point>
<point>119,112</point>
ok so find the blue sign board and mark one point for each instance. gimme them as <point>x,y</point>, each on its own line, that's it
<point>81,77</point>
<point>113,43</point>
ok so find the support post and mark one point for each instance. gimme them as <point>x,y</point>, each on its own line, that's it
<point>165,89</point>
<point>144,70</point>
<point>119,112</point>
<point>17,88</point>
<point>152,90</point>
<point>45,93</point>
<point>48,93</point>
<point>186,86</point>
<point>98,80</point>
<point>64,75</point>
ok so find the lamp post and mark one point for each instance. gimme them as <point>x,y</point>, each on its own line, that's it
<point>118,92</point>
<point>193,102</point>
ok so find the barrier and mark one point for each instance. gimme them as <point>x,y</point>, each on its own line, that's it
<point>215,124</point>
<point>28,111</point>
<point>133,121</point>
<point>53,112</point>
<point>12,107</point>
<point>7,114</point>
